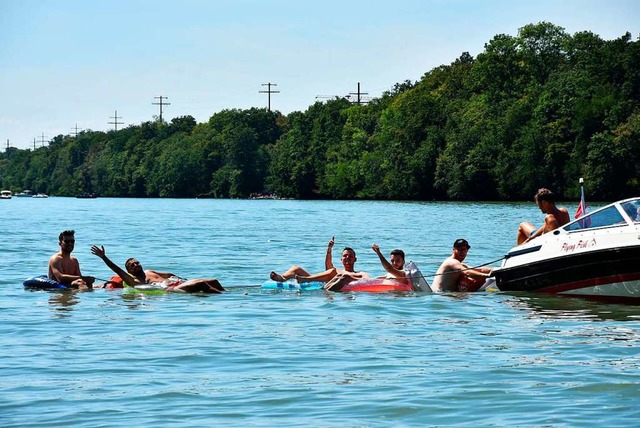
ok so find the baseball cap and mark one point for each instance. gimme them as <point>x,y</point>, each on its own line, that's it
<point>461,243</point>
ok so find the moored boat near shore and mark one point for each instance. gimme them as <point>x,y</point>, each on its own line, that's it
<point>5,194</point>
<point>24,194</point>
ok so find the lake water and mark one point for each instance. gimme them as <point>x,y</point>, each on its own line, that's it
<point>253,357</point>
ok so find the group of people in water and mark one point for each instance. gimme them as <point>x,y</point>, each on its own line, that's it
<point>65,268</point>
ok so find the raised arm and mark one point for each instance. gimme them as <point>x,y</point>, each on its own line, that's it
<point>386,265</point>
<point>328,262</point>
<point>99,251</point>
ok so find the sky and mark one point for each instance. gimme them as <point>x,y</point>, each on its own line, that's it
<point>71,64</point>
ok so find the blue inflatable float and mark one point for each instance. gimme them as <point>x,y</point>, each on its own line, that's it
<point>292,284</point>
<point>42,282</point>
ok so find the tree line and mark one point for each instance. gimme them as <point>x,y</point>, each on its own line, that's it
<point>539,109</point>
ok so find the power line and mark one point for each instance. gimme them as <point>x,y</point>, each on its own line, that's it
<point>161,104</point>
<point>115,122</point>
<point>352,97</point>
<point>269,92</point>
<point>328,97</point>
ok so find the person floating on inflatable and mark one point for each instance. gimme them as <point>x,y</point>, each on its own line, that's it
<point>64,268</point>
<point>453,275</point>
<point>331,274</point>
<point>137,276</point>
<point>395,268</point>
<point>334,278</point>
<point>297,270</point>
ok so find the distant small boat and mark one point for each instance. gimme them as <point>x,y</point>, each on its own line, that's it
<point>24,194</point>
<point>5,194</point>
<point>40,195</point>
<point>86,195</point>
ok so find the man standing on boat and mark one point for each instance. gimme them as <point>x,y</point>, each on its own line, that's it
<point>555,217</point>
<point>64,268</point>
<point>452,270</point>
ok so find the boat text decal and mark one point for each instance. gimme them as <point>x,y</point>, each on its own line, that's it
<point>581,244</point>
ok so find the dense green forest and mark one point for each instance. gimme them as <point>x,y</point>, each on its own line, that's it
<point>539,109</point>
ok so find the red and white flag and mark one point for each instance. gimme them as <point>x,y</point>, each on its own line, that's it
<point>582,209</point>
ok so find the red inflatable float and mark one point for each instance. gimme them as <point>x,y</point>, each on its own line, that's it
<point>377,285</point>
<point>469,284</point>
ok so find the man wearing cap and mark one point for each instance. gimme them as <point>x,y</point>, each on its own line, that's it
<point>452,270</point>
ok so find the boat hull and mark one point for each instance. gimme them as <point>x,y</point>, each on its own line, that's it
<point>607,274</point>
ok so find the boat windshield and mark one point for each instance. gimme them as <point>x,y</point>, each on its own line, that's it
<point>632,208</point>
<point>607,217</point>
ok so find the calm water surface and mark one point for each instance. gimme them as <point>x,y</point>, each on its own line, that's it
<point>259,358</point>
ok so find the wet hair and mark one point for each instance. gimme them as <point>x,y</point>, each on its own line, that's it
<point>461,243</point>
<point>349,249</point>
<point>397,252</point>
<point>66,233</point>
<point>544,195</point>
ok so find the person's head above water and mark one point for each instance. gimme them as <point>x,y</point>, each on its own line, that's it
<point>133,266</point>
<point>460,249</point>
<point>67,240</point>
<point>348,258</point>
<point>397,259</point>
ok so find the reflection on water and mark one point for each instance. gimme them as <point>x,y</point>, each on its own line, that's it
<point>63,301</point>
<point>572,307</point>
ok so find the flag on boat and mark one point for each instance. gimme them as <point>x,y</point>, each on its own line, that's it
<point>582,209</point>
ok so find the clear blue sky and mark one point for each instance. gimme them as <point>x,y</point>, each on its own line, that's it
<point>75,62</point>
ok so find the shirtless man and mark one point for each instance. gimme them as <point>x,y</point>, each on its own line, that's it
<point>341,277</point>
<point>451,270</point>
<point>395,269</point>
<point>296,270</point>
<point>555,217</point>
<point>135,275</point>
<point>64,268</point>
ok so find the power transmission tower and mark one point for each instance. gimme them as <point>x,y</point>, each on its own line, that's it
<point>75,134</point>
<point>115,120</point>
<point>161,104</point>
<point>34,144</point>
<point>42,140</point>
<point>269,92</point>
<point>359,100</point>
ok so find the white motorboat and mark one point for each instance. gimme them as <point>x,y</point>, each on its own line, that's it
<point>5,194</point>
<point>40,195</point>
<point>596,256</point>
<point>24,194</point>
